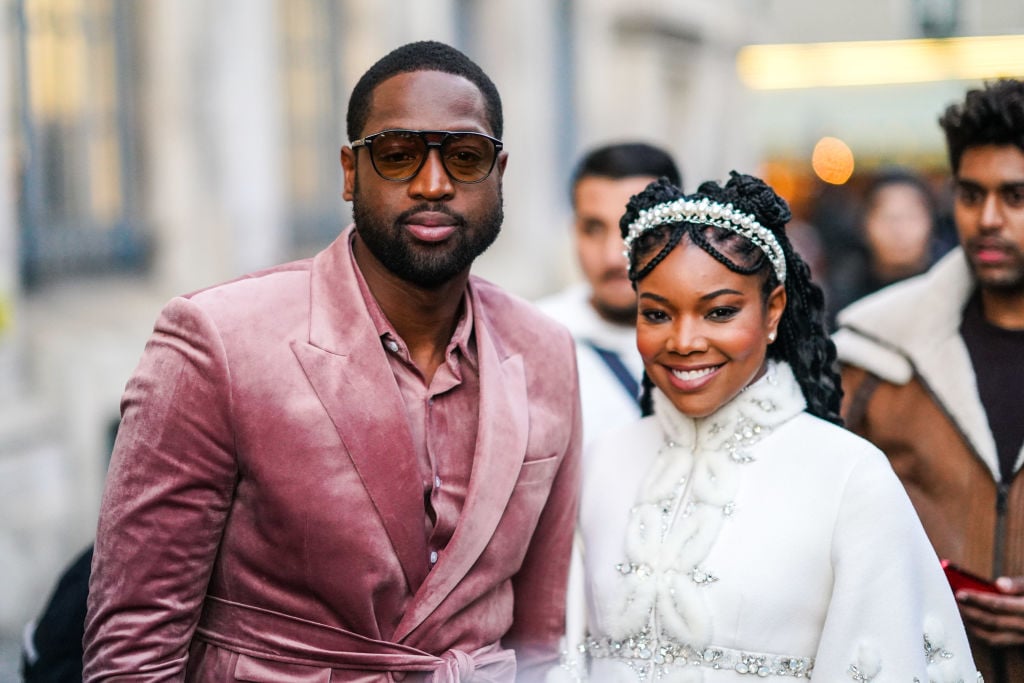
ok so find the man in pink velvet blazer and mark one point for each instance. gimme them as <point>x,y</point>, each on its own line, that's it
<point>361,466</point>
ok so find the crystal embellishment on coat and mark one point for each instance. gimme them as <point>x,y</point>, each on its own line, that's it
<point>702,577</point>
<point>646,654</point>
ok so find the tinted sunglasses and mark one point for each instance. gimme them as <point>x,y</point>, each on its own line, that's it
<point>400,154</point>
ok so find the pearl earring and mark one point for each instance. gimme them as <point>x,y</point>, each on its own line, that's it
<point>771,336</point>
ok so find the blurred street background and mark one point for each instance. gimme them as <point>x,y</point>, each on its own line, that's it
<point>155,147</point>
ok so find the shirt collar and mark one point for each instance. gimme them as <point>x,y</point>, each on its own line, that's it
<point>461,340</point>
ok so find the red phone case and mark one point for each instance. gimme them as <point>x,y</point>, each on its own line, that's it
<point>961,579</point>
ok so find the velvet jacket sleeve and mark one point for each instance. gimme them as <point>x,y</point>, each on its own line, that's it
<point>540,584</point>
<point>168,492</point>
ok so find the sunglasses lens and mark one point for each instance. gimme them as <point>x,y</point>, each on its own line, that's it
<point>468,157</point>
<point>398,155</point>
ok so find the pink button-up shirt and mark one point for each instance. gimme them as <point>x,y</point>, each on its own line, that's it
<point>442,417</point>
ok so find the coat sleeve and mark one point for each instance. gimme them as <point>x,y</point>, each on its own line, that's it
<point>168,492</point>
<point>539,587</point>
<point>892,613</point>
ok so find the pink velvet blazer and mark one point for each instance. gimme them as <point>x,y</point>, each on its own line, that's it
<point>263,519</point>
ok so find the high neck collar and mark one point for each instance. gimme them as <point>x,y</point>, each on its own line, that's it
<point>771,400</point>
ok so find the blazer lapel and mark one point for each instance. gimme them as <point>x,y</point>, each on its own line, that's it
<point>500,450</point>
<point>347,367</point>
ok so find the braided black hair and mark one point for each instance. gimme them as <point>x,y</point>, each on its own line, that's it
<point>803,341</point>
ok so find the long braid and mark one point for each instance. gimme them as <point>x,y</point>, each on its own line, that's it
<point>803,340</point>
<point>646,400</point>
<point>657,192</point>
<point>804,343</point>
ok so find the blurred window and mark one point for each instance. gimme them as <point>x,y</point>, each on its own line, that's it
<point>937,18</point>
<point>76,160</point>
<point>315,119</point>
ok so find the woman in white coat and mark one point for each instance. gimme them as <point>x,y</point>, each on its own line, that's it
<point>738,531</point>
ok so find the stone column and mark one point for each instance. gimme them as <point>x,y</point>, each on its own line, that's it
<point>10,377</point>
<point>212,110</point>
<point>524,66</point>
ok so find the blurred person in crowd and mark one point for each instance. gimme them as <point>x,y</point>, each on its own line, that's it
<point>601,311</point>
<point>738,532</point>
<point>897,226</point>
<point>807,242</point>
<point>52,645</point>
<point>933,369</point>
<point>358,466</point>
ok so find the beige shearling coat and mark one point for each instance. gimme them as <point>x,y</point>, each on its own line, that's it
<point>910,389</point>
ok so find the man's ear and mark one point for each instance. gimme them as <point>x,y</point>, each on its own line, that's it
<point>502,162</point>
<point>348,165</point>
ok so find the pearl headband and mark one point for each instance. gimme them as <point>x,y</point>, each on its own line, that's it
<point>706,212</point>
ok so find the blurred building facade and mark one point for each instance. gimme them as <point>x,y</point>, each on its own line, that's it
<point>154,148</point>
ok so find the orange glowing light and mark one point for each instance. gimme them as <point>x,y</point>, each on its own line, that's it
<point>832,160</point>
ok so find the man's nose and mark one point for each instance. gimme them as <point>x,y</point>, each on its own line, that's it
<point>432,182</point>
<point>991,212</point>
<point>613,249</point>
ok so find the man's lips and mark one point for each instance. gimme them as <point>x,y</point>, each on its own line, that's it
<point>616,276</point>
<point>991,252</point>
<point>430,226</point>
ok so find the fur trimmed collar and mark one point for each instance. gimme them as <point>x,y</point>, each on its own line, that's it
<point>913,328</point>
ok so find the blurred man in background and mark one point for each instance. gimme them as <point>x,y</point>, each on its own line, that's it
<point>934,375</point>
<point>601,311</point>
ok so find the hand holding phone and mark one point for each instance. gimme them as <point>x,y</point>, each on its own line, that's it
<point>961,579</point>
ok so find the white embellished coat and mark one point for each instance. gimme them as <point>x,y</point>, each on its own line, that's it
<point>759,542</point>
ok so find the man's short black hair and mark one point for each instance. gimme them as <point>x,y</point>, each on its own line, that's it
<point>625,160</point>
<point>427,55</point>
<point>993,115</point>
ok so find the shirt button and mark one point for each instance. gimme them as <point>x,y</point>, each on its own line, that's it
<point>437,482</point>
<point>433,557</point>
<point>392,345</point>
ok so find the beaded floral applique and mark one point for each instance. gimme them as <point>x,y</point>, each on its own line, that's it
<point>941,668</point>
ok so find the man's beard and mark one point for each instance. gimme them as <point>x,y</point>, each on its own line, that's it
<point>423,265</point>
<point>618,315</point>
<point>1001,285</point>
<point>1008,281</point>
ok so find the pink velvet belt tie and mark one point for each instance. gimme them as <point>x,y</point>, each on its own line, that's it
<point>278,648</point>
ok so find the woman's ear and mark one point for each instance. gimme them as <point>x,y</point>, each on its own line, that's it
<point>775,307</point>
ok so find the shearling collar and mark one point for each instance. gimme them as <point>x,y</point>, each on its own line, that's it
<point>913,328</point>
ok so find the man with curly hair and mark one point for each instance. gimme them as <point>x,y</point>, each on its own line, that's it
<point>933,369</point>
